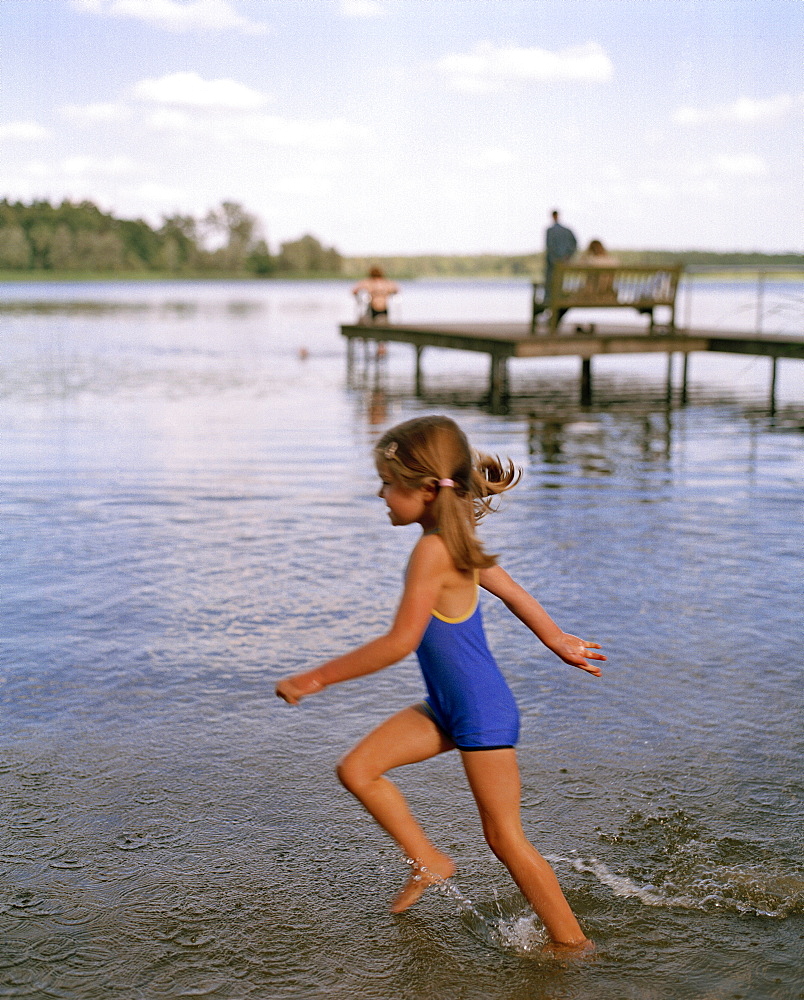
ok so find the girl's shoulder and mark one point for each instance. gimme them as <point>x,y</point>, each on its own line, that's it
<point>433,558</point>
<point>431,550</point>
<point>430,541</point>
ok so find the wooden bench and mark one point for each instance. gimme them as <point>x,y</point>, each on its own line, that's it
<point>576,286</point>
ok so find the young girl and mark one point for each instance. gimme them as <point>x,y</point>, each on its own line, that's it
<point>431,478</point>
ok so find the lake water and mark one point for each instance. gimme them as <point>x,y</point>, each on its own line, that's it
<point>189,513</point>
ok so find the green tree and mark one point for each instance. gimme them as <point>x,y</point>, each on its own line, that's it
<point>61,249</point>
<point>235,229</point>
<point>179,243</point>
<point>98,251</point>
<point>15,250</point>
<point>142,244</point>
<point>260,261</point>
<point>308,256</point>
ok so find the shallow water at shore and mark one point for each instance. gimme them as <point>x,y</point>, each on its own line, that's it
<point>189,513</point>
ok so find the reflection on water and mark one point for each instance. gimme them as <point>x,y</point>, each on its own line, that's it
<point>189,512</point>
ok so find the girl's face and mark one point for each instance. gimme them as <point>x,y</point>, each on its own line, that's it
<point>405,506</point>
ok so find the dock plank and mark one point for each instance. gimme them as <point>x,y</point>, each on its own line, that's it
<point>517,339</point>
<point>502,341</point>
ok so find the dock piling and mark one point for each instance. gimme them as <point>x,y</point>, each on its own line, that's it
<point>586,381</point>
<point>419,384</point>
<point>669,383</point>
<point>498,380</point>
<point>772,402</point>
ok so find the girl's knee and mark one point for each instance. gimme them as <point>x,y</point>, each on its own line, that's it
<point>343,770</point>
<point>504,841</point>
<point>352,774</point>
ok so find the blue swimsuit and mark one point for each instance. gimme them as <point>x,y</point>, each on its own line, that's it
<point>468,697</point>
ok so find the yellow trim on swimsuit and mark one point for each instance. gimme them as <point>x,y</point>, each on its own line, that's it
<point>469,613</point>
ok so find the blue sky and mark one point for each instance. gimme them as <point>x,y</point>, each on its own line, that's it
<point>415,126</point>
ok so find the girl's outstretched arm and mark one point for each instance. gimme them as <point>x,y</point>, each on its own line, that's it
<point>427,567</point>
<point>568,647</point>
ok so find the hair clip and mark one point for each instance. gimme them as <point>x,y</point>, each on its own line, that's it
<point>447,482</point>
<point>390,451</point>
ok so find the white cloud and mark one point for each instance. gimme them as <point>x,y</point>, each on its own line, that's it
<point>361,8</point>
<point>713,179</point>
<point>487,67</point>
<point>654,188</point>
<point>310,186</point>
<point>495,157</point>
<point>329,133</point>
<point>745,165</point>
<point>101,112</point>
<point>158,194</point>
<point>192,91</point>
<point>175,15</point>
<point>270,130</point>
<point>171,120</point>
<point>84,166</point>
<point>72,176</point>
<point>37,168</point>
<point>744,110</point>
<point>26,131</point>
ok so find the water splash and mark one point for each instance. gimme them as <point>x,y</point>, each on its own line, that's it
<point>754,892</point>
<point>505,925</point>
<point>676,862</point>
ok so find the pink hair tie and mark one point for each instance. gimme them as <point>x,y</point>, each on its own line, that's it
<point>446,482</point>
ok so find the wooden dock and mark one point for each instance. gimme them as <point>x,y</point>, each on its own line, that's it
<point>502,341</point>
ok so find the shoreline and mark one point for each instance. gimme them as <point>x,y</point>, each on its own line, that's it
<point>745,273</point>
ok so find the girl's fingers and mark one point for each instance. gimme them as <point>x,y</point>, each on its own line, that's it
<point>586,650</point>
<point>582,662</point>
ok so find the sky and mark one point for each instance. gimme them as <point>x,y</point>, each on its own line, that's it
<point>417,126</point>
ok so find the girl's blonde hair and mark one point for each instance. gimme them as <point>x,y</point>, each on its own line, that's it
<point>422,451</point>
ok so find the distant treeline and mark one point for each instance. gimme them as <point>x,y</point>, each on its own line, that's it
<point>79,238</point>
<point>532,265</point>
<point>487,265</point>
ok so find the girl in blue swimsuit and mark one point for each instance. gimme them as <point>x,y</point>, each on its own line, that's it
<point>431,477</point>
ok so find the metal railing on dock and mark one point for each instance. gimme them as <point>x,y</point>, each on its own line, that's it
<point>763,274</point>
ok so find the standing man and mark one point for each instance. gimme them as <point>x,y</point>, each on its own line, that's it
<point>559,244</point>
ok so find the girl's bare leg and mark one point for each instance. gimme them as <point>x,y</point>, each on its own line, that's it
<point>494,779</point>
<point>408,737</point>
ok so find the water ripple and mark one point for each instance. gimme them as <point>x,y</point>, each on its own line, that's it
<point>189,514</point>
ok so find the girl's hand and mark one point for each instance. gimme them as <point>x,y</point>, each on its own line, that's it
<point>577,653</point>
<point>293,689</point>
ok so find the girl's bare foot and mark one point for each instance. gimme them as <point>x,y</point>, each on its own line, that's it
<point>575,949</point>
<point>422,877</point>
